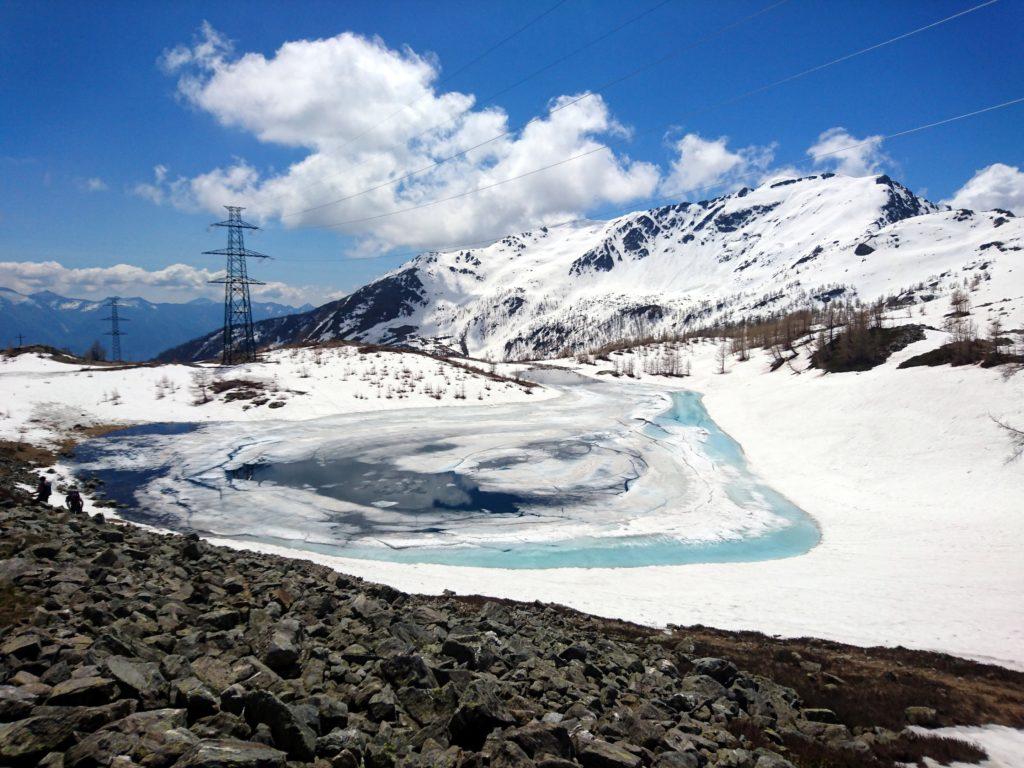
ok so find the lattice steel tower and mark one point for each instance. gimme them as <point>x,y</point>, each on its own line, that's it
<point>239,346</point>
<point>115,331</point>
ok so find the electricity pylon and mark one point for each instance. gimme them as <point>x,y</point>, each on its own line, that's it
<point>115,332</point>
<point>239,346</point>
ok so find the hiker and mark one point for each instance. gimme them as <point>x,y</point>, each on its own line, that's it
<point>43,490</point>
<point>74,501</point>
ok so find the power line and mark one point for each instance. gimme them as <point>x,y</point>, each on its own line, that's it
<point>653,202</point>
<point>608,147</point>
<point>590,94</point>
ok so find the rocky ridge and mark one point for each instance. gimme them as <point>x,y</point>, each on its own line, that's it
<point>123,647</point>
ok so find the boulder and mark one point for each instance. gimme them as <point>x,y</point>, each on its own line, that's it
<point>719,670</point>
<point>543,739</point>
<point>408,670</point>
<point>229,753</point>
<point>289,731</point>
<point>190,694</point>
<point>23,741</point>
<point>221,619</point>
<point>282,652</point>
<point>480,711</point>
<point>141,679</point>
<point>595,753</point>
<point>677,760</point>
<point>83,691</point>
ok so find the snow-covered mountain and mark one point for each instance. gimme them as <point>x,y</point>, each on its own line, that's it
<point>756,251</point>
<point>47,318</point>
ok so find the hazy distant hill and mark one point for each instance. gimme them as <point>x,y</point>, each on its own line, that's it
<point>47,318</point>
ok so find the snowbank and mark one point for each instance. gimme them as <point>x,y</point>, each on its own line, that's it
<point>44,399</point>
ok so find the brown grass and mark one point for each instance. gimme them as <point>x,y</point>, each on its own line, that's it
<point>907,749</point>
<point>864,686</point>
<point>873,686</point>
<point>15,605</point>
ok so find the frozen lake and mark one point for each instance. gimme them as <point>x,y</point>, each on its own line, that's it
<point>606,475</point>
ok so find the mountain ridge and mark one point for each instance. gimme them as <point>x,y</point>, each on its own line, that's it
<point>758,250</point>
<point>45,317</point>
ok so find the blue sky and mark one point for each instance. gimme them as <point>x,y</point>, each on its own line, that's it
<point>91,102</point>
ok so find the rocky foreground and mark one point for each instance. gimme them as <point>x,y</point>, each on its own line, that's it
<point>121,647</point>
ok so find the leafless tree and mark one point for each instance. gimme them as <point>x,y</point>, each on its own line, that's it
<point>1016,438</point>
<point>721,355</point>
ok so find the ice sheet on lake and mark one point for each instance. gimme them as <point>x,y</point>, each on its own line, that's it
<point>599,467</point>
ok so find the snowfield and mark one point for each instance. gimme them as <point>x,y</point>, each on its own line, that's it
<point>905,471</point>
<point>44,399</point>
<point>906,474</point>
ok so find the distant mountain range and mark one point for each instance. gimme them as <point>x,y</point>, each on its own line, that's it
<point>787,243</point>
<point>59,321</point>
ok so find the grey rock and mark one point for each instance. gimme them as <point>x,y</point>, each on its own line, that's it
<point>290,733</point>
<point>191,695</point>
<point>24,740</point>
<point>408,670</point>
<point>542,738</point>
<point>15,702</point>
<point>229,753</point>
<point>677,760</point>
<point>282,652</point>
<point>383,705</point>
<point>140,678</point>
<point>719,670</point>
<point>772,760</point>
<point>480,711</point>
<point>83,691</point>
<point>595,753</point>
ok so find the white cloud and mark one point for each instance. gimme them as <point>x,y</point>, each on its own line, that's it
<point>338,97</point>
<point>95,184</point>
<point>177,282</point>
<point>997,186</point>
<point>704,164</point>
<point>847,154</point>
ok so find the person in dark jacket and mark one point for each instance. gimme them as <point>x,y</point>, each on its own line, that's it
<point>43,490</point>
<point>74,501</point>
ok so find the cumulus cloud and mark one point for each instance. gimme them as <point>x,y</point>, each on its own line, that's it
<point>847,154</point>
<point>177,282</point>
<point>997,186</point>
<point>703,164</point>
<point>366,114</point>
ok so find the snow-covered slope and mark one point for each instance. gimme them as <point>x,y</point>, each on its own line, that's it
<point>44,400</point>
<point>785,243</point>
